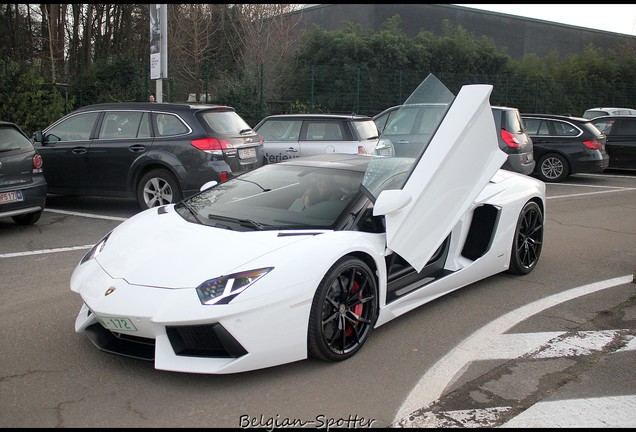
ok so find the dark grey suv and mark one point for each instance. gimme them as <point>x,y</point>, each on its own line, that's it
<point>415,123</point>
<point>514,140</point>
<point>157,153</point>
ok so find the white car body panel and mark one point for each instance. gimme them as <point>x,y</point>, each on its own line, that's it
<point>456,166</point>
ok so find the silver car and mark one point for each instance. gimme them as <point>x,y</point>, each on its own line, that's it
<point>288,136</point>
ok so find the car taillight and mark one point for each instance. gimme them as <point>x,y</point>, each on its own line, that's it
<point>510,139</point>
<point>593,144</point>
<point>362,150</point>
<point>37,163</point>
<point>211,145</point>
<point>223,176</point>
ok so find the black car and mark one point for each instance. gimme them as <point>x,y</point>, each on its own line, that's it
<point>565,145</point>
<point>409,125</point>
<point>22,185</point>
<point>157,153</point>
<point>621,140</point>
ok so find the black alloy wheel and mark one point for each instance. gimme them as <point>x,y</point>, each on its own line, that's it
<point>528,240</point>
<point>344,310</point>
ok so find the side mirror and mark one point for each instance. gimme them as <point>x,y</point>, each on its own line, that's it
<point>37,136</point>
<point>208,185</point>
<point>391,200</point>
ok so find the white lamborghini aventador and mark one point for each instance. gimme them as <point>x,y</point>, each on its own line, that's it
<point>306,257</point>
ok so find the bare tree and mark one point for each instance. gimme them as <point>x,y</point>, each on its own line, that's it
<point>266,34</point>
<point>54,22</point>
<point>194,35</point>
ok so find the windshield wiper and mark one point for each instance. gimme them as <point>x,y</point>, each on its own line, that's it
<point>9,149</point>
<point>243,222</point>
<point>250,181</point>
<point>245,131</point>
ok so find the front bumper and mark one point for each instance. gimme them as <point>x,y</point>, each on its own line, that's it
<point>173,329</point>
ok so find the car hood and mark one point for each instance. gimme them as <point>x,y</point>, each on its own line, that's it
<point>161,249</point>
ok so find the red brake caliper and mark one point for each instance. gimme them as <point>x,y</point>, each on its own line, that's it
<point>357,309</point>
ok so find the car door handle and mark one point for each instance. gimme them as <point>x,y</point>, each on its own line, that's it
<point>403,142</point>
<point>137,148</point>
<point>79,150</point>
<point>291,150</point>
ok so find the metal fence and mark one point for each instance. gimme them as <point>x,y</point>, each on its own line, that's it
<point>324,89</point>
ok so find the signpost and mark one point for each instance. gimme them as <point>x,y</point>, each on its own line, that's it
<point>158,47</point>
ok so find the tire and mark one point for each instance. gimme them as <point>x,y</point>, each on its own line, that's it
<point>528,240</point>
<point>340,304</point>
<point>27,219</point>
<point>156,188</point>
<point>553,168</point>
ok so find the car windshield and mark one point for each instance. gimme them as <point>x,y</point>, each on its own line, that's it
<point>390,157</point>
<point>275,196</point>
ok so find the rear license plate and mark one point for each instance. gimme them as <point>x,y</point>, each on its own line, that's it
<point>117,324</point>
<point>13,196</point>
<point>247,153</point>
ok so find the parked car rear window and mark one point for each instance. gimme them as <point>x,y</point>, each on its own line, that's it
<point>514,123</point>
<point>224,122</point>
<point>12,139</point>
<point>366,129</point>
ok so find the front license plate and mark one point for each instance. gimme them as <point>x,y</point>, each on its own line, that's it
<point>13,196</point>
<point>247,153</point>
<point>117,324</point>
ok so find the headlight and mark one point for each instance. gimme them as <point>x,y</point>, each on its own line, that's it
<point>95,250</point>
<point>223,289</point>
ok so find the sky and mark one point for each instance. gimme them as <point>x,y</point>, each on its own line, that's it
<point>616,18</point>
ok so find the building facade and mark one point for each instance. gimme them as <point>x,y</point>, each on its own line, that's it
<point>516,35</point>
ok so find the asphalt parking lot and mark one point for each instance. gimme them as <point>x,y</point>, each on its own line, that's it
<point>541,350</point>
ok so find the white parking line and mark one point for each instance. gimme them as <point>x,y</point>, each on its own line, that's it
<point>44,251</point>
<point>432,384</point>
<point>62,249</point>
<point>612,411</point>
<point>616,189</point>
<point>569,413</point>
<point>88,215</point>
<point>553,344</point>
